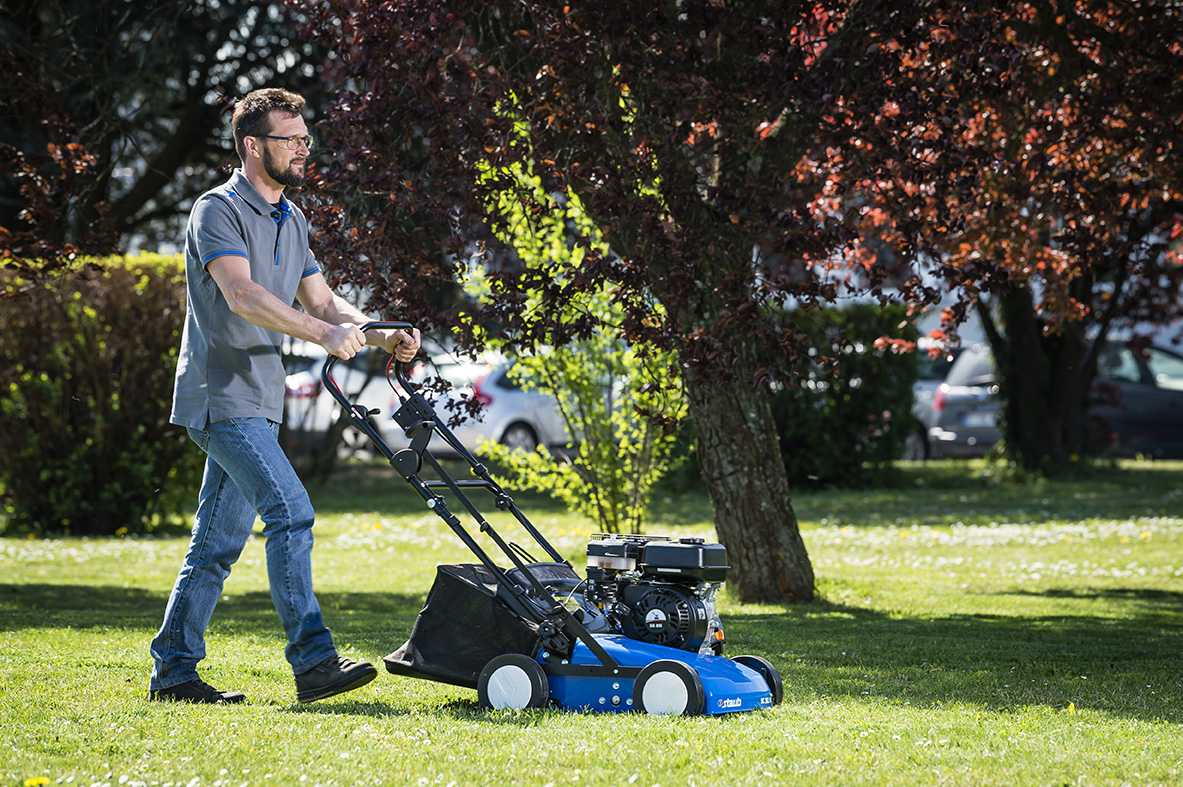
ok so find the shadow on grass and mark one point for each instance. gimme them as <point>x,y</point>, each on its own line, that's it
<point>948,491</point>
<point>371,622</point>
<point>1166,601</point>
<point>935,493</point>
<point>338,707</point>
<point>457,710</point>
<point>377,486</point>
<point>1121,664</point>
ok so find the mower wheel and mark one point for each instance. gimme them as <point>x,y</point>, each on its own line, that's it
<point>512,681</point>
<point>768,672</point>
<point>669,687</point>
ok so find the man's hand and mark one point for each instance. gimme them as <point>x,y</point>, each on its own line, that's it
<point>402,345</point>
<point>344,341</point>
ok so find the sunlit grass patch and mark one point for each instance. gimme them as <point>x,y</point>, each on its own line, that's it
<point>967,632</point>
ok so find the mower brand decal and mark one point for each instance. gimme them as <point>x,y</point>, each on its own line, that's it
<point>730,702</point>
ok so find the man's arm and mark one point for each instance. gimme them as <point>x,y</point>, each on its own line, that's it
<point>253,302</point>
<point>320,301</point>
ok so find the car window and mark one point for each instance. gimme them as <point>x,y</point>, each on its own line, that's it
<point>462,375</point>
<point>510,378</point>
<point>298,363</point>
<point>973,367</point>
<point>1166,369</point>
<point>515,378</point>
<point>508,382</point>
<point>1118,364</point>
<point>935,369</point>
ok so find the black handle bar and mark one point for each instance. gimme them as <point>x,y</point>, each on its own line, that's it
<point>420,410</point>
<point>326,376</point>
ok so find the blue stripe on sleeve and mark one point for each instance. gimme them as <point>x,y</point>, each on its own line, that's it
<point>224,253</point>
<point>310,271</point>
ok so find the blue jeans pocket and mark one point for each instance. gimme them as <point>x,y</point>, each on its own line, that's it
<point>199,436</point>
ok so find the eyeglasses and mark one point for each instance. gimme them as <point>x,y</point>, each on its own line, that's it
<point>291,143</point>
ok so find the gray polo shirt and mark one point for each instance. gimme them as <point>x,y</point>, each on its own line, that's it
<point>229,367</point>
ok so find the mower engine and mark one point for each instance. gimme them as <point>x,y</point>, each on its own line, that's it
<point>660,591</point>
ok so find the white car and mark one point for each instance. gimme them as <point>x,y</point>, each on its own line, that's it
<point>509,414</point>
<point>309,410</point>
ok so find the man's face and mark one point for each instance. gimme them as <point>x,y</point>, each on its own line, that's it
<point>285,167</point>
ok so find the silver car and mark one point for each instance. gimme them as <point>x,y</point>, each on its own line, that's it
<point>1135,405</point>
<point>931,372</point>
<point>309,411</point>
<point>509,414</point>
<point>964,418</point>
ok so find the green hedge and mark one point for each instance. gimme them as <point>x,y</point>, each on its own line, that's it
<point>842,422</point>
<point>86,374</point>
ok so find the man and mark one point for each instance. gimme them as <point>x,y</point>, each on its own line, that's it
<point>246,262</point>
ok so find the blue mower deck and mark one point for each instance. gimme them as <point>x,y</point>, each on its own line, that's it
<point>728,687</point>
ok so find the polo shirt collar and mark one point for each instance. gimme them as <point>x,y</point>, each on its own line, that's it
<point>242,186</point>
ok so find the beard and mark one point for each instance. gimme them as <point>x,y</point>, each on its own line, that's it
<point>284,177</point>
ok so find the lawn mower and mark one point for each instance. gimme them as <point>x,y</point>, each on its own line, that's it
<point>639,633</point>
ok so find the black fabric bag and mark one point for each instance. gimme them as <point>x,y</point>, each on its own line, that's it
<point>463,625</point>
<point>558,578</point>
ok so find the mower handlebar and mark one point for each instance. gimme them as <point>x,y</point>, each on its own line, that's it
<point>326,376</point>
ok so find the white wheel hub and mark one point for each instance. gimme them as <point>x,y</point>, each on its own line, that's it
<point>509,688</point>
<point>665,693</point>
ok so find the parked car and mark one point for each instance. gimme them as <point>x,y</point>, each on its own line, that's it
<point>1135,405</point>
<point>931,372</point>
<point>509,414</point>
<point>309,411</point>
<point>964,418</point>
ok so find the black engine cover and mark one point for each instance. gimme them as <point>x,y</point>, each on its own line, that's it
<point>687,558</point>
<point>663,614</point>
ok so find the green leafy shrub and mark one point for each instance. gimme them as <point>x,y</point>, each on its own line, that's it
<point>617,405</point>
<point>620,403</point>
<point>847,411</point>
<point>87,359</point>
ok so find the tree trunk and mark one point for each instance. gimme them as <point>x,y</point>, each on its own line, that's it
<point>1041,385</point>
<point>749,491</point>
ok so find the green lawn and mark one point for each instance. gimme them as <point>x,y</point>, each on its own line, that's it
<point>971,631</point>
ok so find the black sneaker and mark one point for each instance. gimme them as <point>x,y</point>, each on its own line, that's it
<point>335,675</point>
<point>196,690</point>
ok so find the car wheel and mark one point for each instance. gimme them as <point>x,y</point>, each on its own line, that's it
<point>1099,437</point>
<point>916,447</point>
<point>669,688</point>
<point>521,436</point>
<point>513,682</point>
<point>354,444</point>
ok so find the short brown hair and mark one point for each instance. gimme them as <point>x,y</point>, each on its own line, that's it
<point>252,113</point>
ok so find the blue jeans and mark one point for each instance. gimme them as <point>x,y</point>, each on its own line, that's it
<point>246,473</point>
